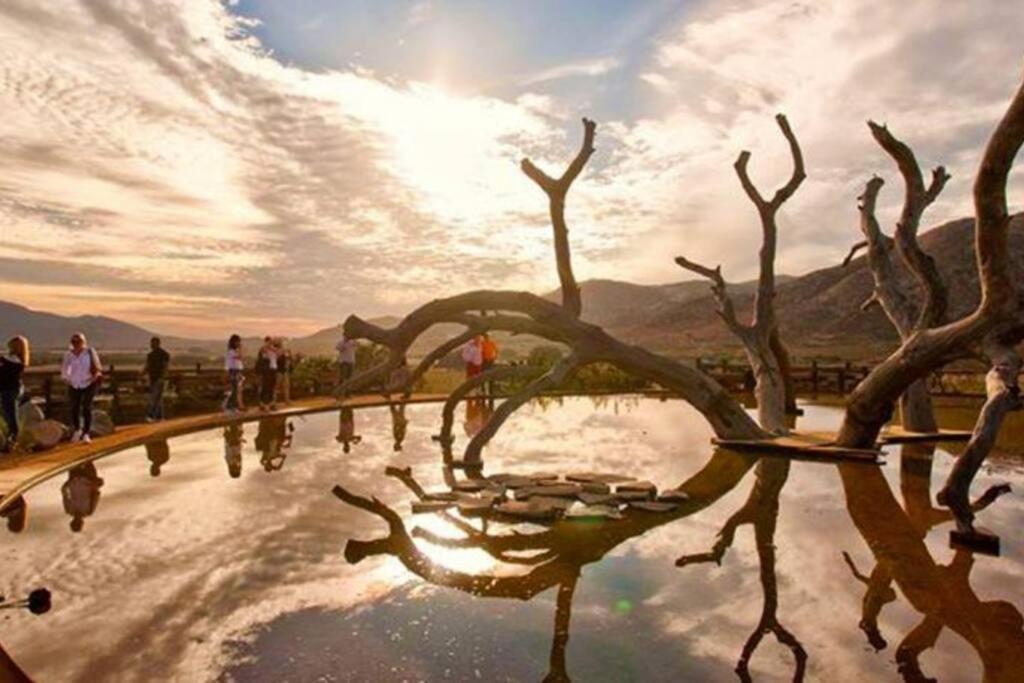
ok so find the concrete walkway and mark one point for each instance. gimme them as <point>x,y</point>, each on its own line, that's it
<point>18,473</point>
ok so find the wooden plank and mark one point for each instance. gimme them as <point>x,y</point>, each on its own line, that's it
<point>896,434</point>
<point>804,446</point>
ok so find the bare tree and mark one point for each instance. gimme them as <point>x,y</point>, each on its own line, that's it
<point>906,315</point>
<point>765,350</point>
<point>993,328</point>
<point>525,313</point>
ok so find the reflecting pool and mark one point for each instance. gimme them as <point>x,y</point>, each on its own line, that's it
<point>225,555</point>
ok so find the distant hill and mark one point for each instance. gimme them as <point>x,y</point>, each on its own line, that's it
<point>819,312</point>
<point>51,331</point>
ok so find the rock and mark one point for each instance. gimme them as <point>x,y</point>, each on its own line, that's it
<point>446,496</point>
<point>517,482</point>
<point>596,498</point>
<point>646,486</point>
<point>598,477</point>
<point>560,503</point>
<point>475,508</point>
<point>557,490</point>
<point>673,496</point>
<point>420,507</point>
<point>648,506</point>
<point>584,513</point>
<point>42,435</point>
<point>102,424</point>
<point>29,414</point>
<point>629,496</point>
<point>525,510</point>
<point>595,487</point>
<point>469,485</point>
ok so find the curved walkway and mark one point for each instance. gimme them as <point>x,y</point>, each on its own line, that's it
<point>21,472</point>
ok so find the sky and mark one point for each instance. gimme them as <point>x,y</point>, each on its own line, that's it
<point>202,167</point>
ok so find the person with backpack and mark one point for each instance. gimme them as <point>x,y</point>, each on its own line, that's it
<point>82,372</point>
<point>12,366</point>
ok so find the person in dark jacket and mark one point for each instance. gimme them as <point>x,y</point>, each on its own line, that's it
<point>155,370</point>
<point>12,366</point>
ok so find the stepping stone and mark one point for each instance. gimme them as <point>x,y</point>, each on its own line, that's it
<point>474,485</point>
<point>524,510</point>
<point>475,508</point>
<point>594,487</point>
<point>646,486</point>
<point>596,498</point>
<point>591,513</point>
<point>630,496</point>
<point>517,482</point>
<point>560,503</point>
<point>598,477</point>
<point>648,506</point>
<point>556,490</point>
<point>420,507</point>
<point>448,496</point>
<point>673,496</point>
<point>543,478</point>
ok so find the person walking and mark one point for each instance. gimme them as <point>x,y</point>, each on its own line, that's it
<point>266,368</point>
<point>12,366</point>
<point>472,356</point>
<point>285,365</point>
<point>82,372</point>
<point>346,358</point>
<point>156,370</point>
<point>234,365</point>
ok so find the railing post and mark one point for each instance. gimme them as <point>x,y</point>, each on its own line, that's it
<point>814,376</point>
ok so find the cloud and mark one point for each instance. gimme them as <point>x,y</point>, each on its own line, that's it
<point>161,148</point>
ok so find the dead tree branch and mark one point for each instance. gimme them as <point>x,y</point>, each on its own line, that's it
<point>556,189</point>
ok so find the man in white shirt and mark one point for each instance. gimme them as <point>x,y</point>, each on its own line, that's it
<point>346,357</point>
<point>82,372</point>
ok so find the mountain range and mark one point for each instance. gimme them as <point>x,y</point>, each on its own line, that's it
<point>819,313</point>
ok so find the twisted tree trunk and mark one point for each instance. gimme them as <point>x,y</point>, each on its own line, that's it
<point>764,347</point>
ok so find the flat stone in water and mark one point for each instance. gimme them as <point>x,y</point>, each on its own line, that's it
<point>588,498</point>
<point>646,486</point>
<point>420,507</point>
<point>524,510</point>
<point>517,482</point>
<point>592,512</point>
<point>449,496</point>
<point>475,508</point>
<point>598,477</point>
<point>595,487</point>
<point>544,501</point>
<point>673,496</point>
<point>470,485</point>
<point>629,496</point>
<point>557,490</point>
<point>648,506</point>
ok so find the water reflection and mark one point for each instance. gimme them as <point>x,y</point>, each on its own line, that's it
<point>347,429</point>
<point>234,437</point>
<point>81,494</point>
<point>151,595</point>
<point>941,594</point>
<point>273,439</point>
<point>762,511</point>
<point>554,555</point>
<point>16,515</point>
<point>158,453</point>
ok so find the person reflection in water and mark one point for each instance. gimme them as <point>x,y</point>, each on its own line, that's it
<point>158,453</point>
<point>478,412</point>
<point>272,441</point>
<point>81,494</point>
<point>16,515</point>
<point>347,429</point>
<point>234,437</point>
<point>399,424</point>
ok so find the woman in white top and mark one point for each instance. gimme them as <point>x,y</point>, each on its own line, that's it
<point>234,365</point>
<point>82,372</point>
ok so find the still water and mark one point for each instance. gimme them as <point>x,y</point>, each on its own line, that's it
<point>222,556</point>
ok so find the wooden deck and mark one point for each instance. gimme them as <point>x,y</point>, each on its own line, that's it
<point>813,446</point>
<point>22,472</point>
<point>896,434</point>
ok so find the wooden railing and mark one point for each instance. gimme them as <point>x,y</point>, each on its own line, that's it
<point>125,387</point>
